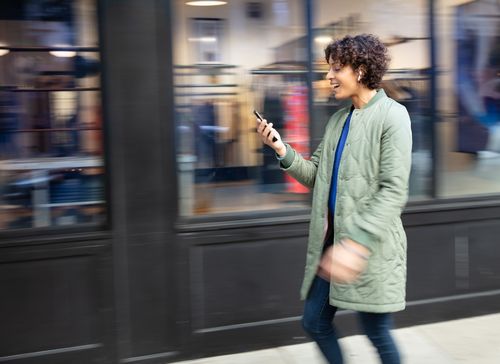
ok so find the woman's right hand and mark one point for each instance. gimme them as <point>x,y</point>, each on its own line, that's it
<point>267,133</point>
<point>343,263</point>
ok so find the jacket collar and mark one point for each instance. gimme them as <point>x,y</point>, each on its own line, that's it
<point>378,96</point>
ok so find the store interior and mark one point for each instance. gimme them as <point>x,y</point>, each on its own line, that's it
<point>229,60</point>
<point>51,145</point>
<point>243,55</point>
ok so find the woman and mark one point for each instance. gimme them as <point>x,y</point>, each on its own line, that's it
<point>356,256</point>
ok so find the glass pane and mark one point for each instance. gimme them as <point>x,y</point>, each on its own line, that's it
<point>48,23</point>
<point>469,134</point>
<point>402,27</point>
<point>231,59</point>
<point>51,167</point>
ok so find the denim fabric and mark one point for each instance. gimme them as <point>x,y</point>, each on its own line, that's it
<point>318,323</point>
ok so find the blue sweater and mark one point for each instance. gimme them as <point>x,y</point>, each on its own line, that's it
<point>336,164</point>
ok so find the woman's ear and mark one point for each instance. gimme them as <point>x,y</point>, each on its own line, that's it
<point>361,72</point>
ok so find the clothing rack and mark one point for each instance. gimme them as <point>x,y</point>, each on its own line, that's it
<point>207,113</point>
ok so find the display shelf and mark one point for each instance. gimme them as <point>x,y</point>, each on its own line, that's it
<point>39,196</point>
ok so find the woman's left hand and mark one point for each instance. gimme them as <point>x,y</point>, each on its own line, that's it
<point>343,263</point>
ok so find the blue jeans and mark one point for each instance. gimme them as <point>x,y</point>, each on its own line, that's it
<point>318,323</point>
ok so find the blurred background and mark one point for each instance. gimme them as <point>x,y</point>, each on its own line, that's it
<point>141,220</point>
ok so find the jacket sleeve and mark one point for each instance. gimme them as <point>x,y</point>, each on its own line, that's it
<point>303,170</point>
<point>369,225</point>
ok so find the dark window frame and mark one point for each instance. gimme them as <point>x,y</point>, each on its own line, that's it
<point>83,231</point>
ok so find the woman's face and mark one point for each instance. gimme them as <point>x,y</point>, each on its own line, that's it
<point>343,80</point>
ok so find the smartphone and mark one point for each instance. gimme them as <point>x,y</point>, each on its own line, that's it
<point>258,115</point>
<point>260,118</point>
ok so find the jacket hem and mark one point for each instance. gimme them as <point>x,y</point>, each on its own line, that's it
<point>369,307</point>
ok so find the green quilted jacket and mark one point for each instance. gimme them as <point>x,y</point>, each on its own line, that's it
<point>372,190</point>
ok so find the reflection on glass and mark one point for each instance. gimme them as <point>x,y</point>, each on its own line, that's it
<point>231,59</point>
<point>471,108</point>
<point>402,28</point>
<point>51,170</point>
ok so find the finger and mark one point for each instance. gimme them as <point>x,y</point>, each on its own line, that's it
<point>260,127</point>
<point>262,123</point>
<point>323,274</point>
<point>263,133</point>
<point>340,277</point>
<point>351,264</point>
<point>325,268</point>
<point>344,275</point>
<point>351,260</point>
<point>265,128</point>
<point>268,132</point>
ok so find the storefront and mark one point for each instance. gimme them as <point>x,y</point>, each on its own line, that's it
<point>142,221</point>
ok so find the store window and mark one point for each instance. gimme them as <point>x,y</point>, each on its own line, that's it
<point>469,97</point>
<point>51,147</point>
<point>402,26</point>
<point>230,59</point>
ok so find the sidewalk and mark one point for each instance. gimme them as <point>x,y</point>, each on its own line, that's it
<point>472,341</point>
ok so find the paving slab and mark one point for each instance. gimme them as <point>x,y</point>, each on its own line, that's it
<point>473,340</point>
<point>468,341</point>
<point>253,357</point>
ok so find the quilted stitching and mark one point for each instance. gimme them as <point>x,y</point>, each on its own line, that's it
<point>372,191</point>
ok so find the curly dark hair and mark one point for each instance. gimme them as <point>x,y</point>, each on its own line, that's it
<point>365,52</point>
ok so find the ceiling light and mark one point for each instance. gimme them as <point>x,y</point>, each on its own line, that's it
<point>4,51</point>
<point>203,39</point>
<point>323,39</point>
<point>205,3</point>
<point>63,54</point>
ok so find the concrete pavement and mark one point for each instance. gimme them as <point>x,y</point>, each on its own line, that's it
<point>467,341</point>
